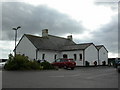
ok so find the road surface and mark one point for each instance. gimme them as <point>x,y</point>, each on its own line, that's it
<point>81,77</point>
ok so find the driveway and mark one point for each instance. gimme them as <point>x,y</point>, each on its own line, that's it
<point>81,77</point>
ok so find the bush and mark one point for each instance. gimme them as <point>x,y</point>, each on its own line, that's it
<point>104,63</point>
<point>87,63</point>
<point>21,62</point>
<point>95,63</point>
<point>46,65</point>
<point>34,65</point>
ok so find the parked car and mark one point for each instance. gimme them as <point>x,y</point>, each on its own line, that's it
<point>118,66</point>
<point>64,63</point>
<point>116,62</point>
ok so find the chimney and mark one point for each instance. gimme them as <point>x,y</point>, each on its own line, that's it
<point>44,32</point>
<point>69,37</point>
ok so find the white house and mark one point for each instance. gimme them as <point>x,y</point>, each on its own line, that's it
<point>102,54</point>
<point>51,47</point>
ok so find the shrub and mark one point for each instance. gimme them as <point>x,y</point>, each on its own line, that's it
<point>103,63</point>
<point>21,62</point>
<point>95,63</point>
<point>34,65</point>
<point>87,63</point>
<point>46,65</point>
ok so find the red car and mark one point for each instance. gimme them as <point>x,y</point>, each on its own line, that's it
<point>65,63</point>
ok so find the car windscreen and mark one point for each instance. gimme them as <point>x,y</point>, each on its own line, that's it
<point>57,60</point>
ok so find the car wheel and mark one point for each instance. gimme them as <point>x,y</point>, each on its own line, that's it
<point>72,68</point>
<point>65,67</point>
<point>56,67</point>
<point>118,70</point>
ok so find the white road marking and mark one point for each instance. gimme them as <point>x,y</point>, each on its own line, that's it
<point>75,75</point>
<point>57,76</point>
<point>96,76</point>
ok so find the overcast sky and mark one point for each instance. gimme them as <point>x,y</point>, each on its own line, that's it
<point>87,20</point>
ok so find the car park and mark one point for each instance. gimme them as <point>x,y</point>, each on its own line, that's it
<point>64,63</point>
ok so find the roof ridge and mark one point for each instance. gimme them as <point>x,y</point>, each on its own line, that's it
<point>79,44</point>
<point>61,38</point>
<point>48,35</point>
<point>57,36</point>
<point>98,45</point>
<point>84,43</point>
<point>32,35</point>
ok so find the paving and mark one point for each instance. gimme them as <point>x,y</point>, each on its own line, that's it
<point>81,77</point>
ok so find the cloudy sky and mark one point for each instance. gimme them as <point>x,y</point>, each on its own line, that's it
<point>87,20</point>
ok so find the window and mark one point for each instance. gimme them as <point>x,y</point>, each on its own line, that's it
<point>80,57</point>
<point>65,56</point>
<point>62,60</point>
<point>55,57</point>
<point>75,56</point>
<point>43,56</point>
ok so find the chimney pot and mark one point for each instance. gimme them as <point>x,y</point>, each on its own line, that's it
<point>69,37</point>
<point>44,32</point>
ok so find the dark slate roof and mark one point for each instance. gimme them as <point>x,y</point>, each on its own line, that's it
<point>76,47</point>
<point>50,42</point>
<point>100,46</point>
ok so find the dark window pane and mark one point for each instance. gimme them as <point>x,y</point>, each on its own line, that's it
<point>43,56</point>
<point>80,56</point>
<point>75,56</point>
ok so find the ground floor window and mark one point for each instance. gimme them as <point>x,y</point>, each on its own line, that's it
<point>80,57</point>
<point>75,56</point>
<point>55,57</point>
<point>43,56</point>
<point>65,56</point>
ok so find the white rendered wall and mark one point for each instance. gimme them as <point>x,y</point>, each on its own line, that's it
<point>70,54</point>
<point>103,55</point>
<point>91,54</point>
<point>49,55</point>
<point>27,48</point>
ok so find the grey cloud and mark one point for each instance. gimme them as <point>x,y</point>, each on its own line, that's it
<point>33,19</point>
<point>108,35</point>
<point>113,5</point>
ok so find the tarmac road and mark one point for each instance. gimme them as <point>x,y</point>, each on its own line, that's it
<point>81,77</point>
